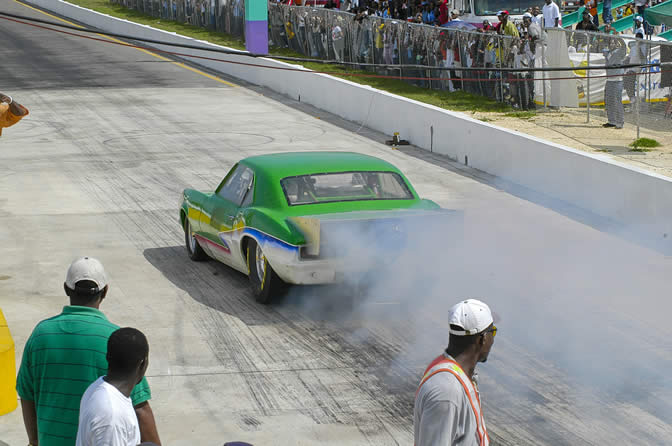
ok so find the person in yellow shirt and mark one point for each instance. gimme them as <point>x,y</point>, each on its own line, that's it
<point>506,26</point>
<point>11,112</point>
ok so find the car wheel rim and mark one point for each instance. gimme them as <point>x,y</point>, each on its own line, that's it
<point>192,239</point>
<point>261,264</point>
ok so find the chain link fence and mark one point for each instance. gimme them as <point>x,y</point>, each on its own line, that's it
<point>636,95</point>
<point>227,16</point>
<point>426,56</point>
<point>482,63</point>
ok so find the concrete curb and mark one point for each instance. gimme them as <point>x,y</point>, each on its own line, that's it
<point>8,397</point>
<point>636,199</point>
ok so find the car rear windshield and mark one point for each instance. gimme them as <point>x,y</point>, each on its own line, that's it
<point>345,186</point>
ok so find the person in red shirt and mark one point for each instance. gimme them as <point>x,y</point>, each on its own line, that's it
<point>443,13</point>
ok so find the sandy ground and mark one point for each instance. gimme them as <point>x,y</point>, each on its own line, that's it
<point>570,127</point>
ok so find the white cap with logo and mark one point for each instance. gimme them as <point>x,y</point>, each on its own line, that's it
<point>86,268</point>
<point>472,315</point>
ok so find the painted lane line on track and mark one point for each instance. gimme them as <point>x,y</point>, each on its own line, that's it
<point>179,64</point>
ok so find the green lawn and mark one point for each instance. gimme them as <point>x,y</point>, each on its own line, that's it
<point>458,101</point>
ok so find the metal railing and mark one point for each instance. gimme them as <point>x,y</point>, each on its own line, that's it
<point>227,16</point>
<point>448,59</point>
<point>637,95</point>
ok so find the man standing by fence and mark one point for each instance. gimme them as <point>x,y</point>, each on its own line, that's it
<point>638,55</point>
<point>613,90</point>
<point>581,41</point>
<point>551,15</point>
<point>505,26</point>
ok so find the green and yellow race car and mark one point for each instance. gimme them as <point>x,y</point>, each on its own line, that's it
<point>304,218</point>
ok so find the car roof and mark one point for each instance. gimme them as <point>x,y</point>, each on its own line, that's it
<point>288,164</point>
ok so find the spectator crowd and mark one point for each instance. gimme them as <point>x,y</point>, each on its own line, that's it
<point>438,13</point>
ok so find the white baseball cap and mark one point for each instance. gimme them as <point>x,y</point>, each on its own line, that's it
<point>528,15</point>
<point>86,268</point>
<point>472,315</point>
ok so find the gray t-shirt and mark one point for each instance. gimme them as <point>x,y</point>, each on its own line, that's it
<point>443,415</point>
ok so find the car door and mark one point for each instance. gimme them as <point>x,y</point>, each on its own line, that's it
<point>224,206</point>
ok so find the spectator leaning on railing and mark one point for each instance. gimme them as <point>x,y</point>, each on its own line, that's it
<point>505,26</point>
<point>580,40</point>
<point>608,29</point>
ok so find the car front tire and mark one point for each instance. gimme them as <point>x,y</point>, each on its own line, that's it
<point>266,284</point>
<point>194,250</point>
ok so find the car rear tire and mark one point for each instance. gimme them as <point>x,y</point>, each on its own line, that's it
<point>194,250</point>
<point>266,284</point>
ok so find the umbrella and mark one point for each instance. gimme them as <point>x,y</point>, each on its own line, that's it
<point>459,24</point>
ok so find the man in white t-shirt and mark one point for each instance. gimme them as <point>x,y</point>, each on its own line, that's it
<point>106,414</point>
<point>551,14</point>
<point>447,403</point>
<point>537,17</point>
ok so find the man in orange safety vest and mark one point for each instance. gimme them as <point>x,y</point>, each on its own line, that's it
<point>447,403</point>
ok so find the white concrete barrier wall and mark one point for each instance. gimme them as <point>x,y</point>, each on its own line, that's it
<point>628,195</point>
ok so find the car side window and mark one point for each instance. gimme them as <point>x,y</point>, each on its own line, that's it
<point>249,195</point>
<point>237,186</point>
<point>228,179</point>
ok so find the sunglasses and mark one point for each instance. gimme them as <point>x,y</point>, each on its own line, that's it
<point>493,330</point>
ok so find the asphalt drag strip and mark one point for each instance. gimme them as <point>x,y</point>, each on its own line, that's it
<point>115,135</point>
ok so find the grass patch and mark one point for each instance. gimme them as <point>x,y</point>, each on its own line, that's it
<point>603,150</point>
<point>458,101</point>
<point>641,150</point>
<point>521,114</point>
<point>484,119</point>
<point>185,29</point>
<point>643,143</point>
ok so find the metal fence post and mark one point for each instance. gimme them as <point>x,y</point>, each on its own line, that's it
<point>500,47</point>
<point>329,25</point>
<point>400,31</point>
<point>588,79</point>
<point>648,73</point>
<point>372,38</point>
<point>637,103</point>
<point>461,53</point>
<point>543,71</point>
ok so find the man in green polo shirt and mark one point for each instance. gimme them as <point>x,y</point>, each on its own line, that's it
<point>64,355</point>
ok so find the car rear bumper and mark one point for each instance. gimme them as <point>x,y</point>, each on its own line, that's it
<point>298,271</point>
